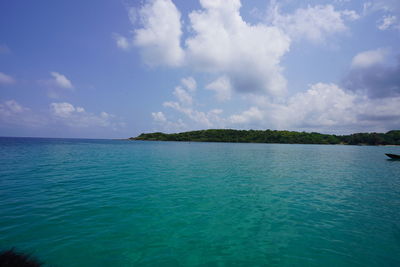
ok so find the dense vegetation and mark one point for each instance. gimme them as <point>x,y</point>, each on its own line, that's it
<point>270,136</point>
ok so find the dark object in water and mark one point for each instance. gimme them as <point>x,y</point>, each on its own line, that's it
<point>393,156</point>
<point>11,258</point>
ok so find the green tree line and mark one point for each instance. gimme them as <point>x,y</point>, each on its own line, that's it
<point>273,136</point>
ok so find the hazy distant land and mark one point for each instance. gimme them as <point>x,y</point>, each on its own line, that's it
<point>273,136</point>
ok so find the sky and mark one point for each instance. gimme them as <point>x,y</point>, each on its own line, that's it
<point>115,69</point>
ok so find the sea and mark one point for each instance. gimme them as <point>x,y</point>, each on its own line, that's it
<point>81,202</point>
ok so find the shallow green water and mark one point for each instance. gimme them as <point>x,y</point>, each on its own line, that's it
<point>120,203</point>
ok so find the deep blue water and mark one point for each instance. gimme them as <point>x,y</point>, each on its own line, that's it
<point>76,202</point>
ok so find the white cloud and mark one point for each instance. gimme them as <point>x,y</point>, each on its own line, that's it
<point>200,118</point>
<point>391,10</point>
<point>57,85</point>
<point>186,106</point>
<point>350,15</point>
<point>133,14</point>
<point>122,42</point>
<point>159,39</point>
<point>387,22</point>
<point>166,125</point>
<point>13,113</point>
<point>223,43</point>
<point>159,117</point>
<point>6,79</point>
<point>247,58</point>
<point>183,96</point>
<point>63,110</point>
<point>11,107</point>
<point>392,6</point>
<point>369,58</point>
<point>103,114</point>
<point>61,81</point>
<point>324,107</point>
<point>254,114</point>
<point>189,83</point>
<point>313,23</point>
<point>77,117</point>
<point>184,92</point>
<point>222,87</point>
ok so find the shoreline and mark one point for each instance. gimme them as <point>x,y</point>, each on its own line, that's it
<point>196,141</point>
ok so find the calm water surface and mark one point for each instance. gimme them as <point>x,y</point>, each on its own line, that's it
<point>120,203</point>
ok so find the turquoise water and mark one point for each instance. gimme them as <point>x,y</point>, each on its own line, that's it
<point>131,203</point>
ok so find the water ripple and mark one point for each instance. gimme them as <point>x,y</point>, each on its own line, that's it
<point>199,204</point>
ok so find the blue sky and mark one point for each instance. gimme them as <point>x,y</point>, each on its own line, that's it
<point>114,69</point>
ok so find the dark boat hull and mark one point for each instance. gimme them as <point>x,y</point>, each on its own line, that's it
<point>393,156</point>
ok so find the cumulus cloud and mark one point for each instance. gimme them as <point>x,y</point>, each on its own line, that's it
<point>186,106</point>
<point>350,15</point>
<point>12,107</point>
<point>166,125</point>
<point>61,81</point>
<point>199,117</point>
<point>370,76</point>
<point>386,6</point>
<point>13,113</point>
<point>246,57</point>
<point>6,79</point>
<point>314,23</point>
<point>158,117</point>
<point>254,114</point>
<point>159,37</point>
<point>63,110</point>
<point>78,117</point>
<point>57,85</point>
<point>183,96</point>
<point>223,43</point>
<point>189,83</point>
<point>329,106</point>
<point>387,21</point>
<point>222,88</point>
<point>184,92</point>
<point>391,12</point>
<point>324,107</point>
<point>369,58</point>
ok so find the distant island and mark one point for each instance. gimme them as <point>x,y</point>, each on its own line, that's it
<point>273,136</point>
